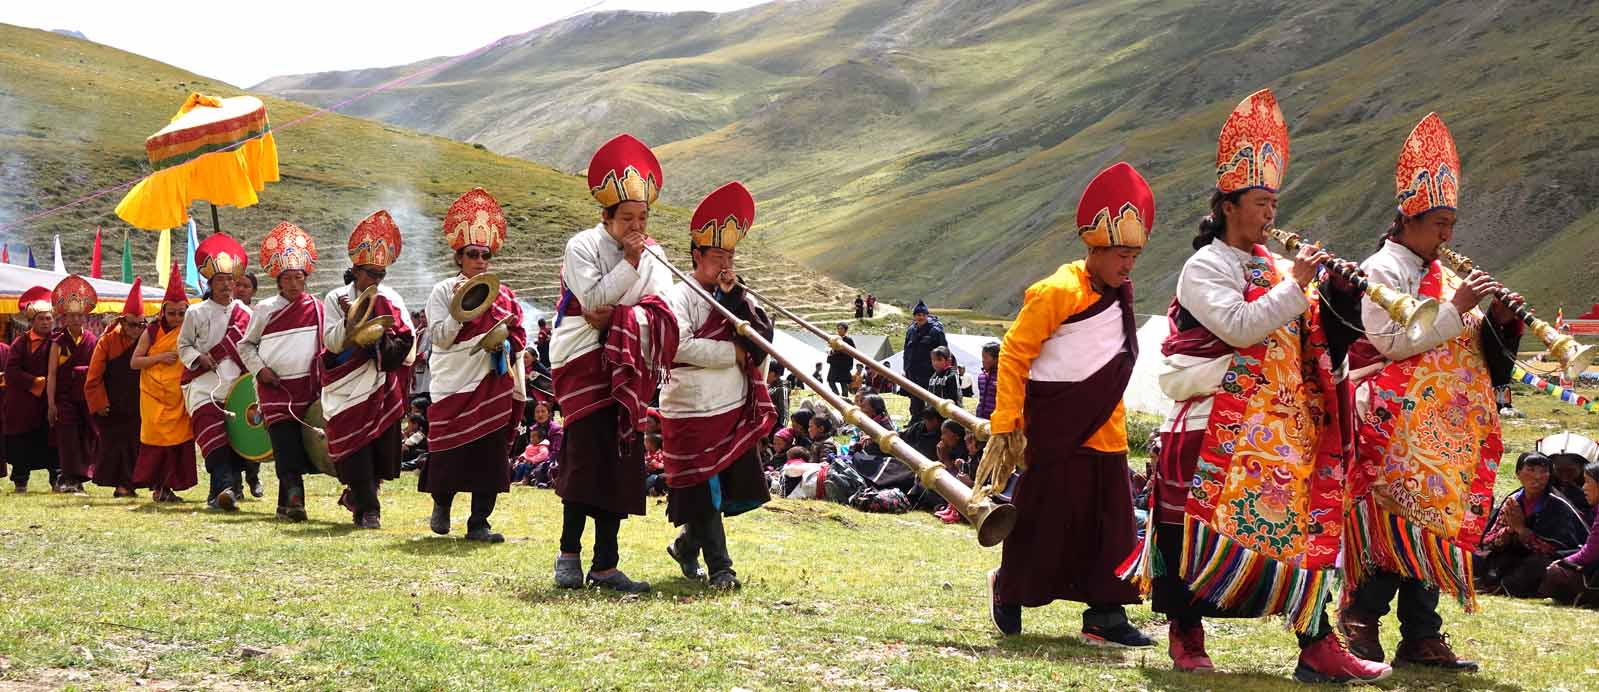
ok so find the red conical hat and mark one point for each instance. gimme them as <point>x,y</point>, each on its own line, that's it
<point>34,301</point>
<point>175,292</point>
<point>375,241</point>
<point>288,247</point>
<point>219,252</point>
<point>624,170</point>
<point>1428,175</point>
<point>1252,151</point>
<point>475,219</point>
<point>74,295</point>
<point>135,303</point>
<point>1117,209</point>
<point>723,218</point>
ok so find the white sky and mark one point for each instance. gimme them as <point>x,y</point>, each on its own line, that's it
<point>243,42</point>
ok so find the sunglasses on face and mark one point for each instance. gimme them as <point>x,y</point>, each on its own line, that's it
<point>474,253</point>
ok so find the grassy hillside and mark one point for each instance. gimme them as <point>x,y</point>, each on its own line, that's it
<point>935,148</point>
<point>74,115</point>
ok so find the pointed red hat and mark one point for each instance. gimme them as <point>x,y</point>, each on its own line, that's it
<point>375,241</point>
<point>74,295</point>
<point>287,247</point>
<point>175,292</point>
<point>1117,209</point>
<point>135,303</point>
<point>1252,151</point>
<point>34,301</point>
<point>624,170</point>
<point>220,252</point>
<point>1428,175</point>
<point>723,218</point>
<point>475,219</point>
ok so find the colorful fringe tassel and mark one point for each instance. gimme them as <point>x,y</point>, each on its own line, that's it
<point>1144,563</point>
<point>1381,540</point>
<point>1221,571</point>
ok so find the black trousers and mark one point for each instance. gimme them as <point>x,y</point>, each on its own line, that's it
<point>289,459</point>
<point>225,468</point>
<point>482,505</point>
<point>705,533</point>
<point>31,451</point>
<point>606,527</point>
<point>1418,604</point>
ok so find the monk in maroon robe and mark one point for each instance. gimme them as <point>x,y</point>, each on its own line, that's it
<point>27,431</point>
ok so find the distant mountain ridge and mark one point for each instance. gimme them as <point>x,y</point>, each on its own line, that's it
<point>936,148</point>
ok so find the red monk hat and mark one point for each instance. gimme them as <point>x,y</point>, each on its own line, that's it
<point>624,170</point>
<point>135,304</point>
<point>723,218</point>
<point>219,252</point>
<point>1117,209</point>
<point>288,247</point>
<point>1428,175</point>
<point>34,301</point>
<point>175,292</point>
<point>475,219</point>
<point>375,241</point>
<point>1252,151</point>
<point>74,295</point>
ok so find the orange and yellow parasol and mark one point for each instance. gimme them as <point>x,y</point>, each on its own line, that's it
<point>219,150</point>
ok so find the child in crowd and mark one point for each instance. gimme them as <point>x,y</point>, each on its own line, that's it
<point>654,465</point>
<point>823,449</point>
<point>799,427</point>
<point>415,443</point>
<point>537,452</point>
<point>988,380</point>
<point>945,381</point>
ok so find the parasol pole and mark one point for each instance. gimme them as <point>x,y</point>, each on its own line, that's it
<point>216,226</point>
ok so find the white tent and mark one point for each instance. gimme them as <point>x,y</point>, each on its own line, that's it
<point>14,280</point>
<point>1143,390</point>
<point>802,355</point>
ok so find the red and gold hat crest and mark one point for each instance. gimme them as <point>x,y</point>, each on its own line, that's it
<point>220,252</point>
<point>723,218</point>
<point>1428,175</point>
<point>34,301</point>
<point>1117,209</point>
<point>1252,151</point>
<point>624,170</point>
<point>74,295</point>
<point>375,241</point>
<point>475,219</point>
<point>288,247</point>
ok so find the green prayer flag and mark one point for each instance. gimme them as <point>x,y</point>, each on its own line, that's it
<point>127,258</point>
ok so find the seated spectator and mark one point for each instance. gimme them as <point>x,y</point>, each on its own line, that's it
<point>652,421</point>
<point>1530,529</point>
<point>654,465</point>
<point>877,410</point>
<point>414,445</point>
<point>968,383</point>
<point>1574,579</point>
<point>823,449</point>
<point>924,435</point>
<point>1566,476</point>
<point>536,454</point>
<point>952,453</point>
<point>799,427</point>
<point>796,466</point>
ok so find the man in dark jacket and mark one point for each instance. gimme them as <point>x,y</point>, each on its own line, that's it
<point>925,334</point>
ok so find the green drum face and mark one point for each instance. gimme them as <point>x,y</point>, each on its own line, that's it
<point>316,440</point>
<point>247,432</point>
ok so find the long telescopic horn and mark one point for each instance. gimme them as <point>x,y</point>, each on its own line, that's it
<point>1574,357</point>
<point>993,522</point>
<point>945,407</point>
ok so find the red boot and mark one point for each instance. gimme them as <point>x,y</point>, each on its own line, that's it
<point>1187,648</point>
<point>1328,661</point>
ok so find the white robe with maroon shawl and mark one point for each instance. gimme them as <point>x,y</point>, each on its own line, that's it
<point>286,337</point>
<point>359,400</point>
<point>214,330</point>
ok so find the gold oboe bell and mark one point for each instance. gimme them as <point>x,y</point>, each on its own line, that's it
<point>1413,313</point>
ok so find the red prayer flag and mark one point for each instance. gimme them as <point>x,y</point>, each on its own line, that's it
<point>5,253</point>
<point>94,266</point>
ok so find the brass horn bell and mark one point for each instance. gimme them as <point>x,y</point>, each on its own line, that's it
<point>474,296</point>
<point>361,329</point>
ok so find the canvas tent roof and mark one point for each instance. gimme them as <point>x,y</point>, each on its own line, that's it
<point>113,294</point>
<point>1143,390</point>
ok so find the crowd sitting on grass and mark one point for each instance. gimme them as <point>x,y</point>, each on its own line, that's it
<point>1539,544</point>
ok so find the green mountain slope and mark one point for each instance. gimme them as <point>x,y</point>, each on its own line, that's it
<point>74,115</point>
<point>936,148</point>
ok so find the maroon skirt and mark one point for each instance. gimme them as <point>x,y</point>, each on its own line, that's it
<point>117,453</point>
<point>597,470</point>
<point>479,466</point>
<point>741,487</point>
<point>75,441</point>
<point>171,467</point>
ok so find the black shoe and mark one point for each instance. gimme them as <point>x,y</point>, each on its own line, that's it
<point>482,533</point>
<point>370,520</point>
<point>620,583</point>
<point>256,490</point>
<point>568,572</point>
<point>238,492</point>
<point>1008,618</point>
<point>225,502</point>
<point>725,581</point>
<point>1122,634</point>
<point>440,521</point>
<point>690,568</point>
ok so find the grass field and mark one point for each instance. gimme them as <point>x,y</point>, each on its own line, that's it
<point>97,593</point>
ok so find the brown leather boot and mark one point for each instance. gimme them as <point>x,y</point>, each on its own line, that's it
<point>1432,653</point>
<point>1360,630</point>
